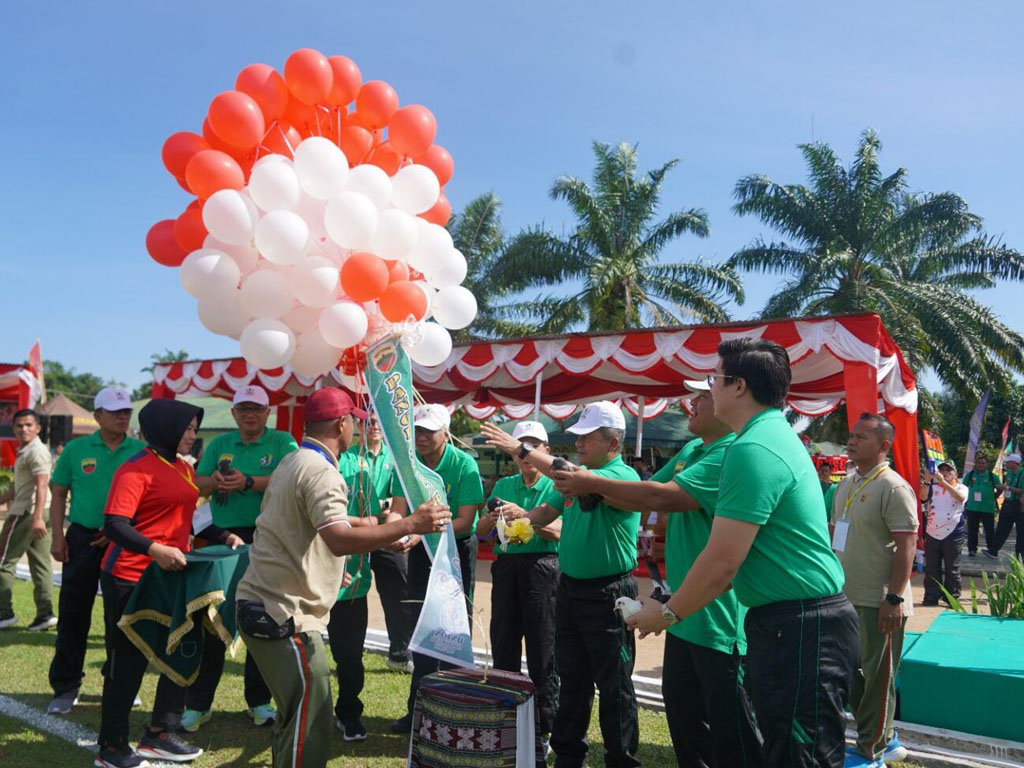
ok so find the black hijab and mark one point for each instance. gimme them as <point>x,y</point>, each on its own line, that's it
<point>163,423</point>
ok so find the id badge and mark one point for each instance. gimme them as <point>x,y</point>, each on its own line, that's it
<point>977,495</point>
<point>839,534</point>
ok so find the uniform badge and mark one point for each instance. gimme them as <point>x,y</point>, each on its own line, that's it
<point>265,460</point>
<point>88,466</point>
<point>228,457</point>
<point>863,498</point>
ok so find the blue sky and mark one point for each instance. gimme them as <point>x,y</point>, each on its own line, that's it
<point>91,90</point>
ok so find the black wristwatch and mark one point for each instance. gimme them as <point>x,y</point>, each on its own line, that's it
<point>524,450</point>
<point>249,482</point>
<point>893,599</point>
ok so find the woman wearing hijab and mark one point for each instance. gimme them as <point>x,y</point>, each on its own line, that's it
<point>148,517</point>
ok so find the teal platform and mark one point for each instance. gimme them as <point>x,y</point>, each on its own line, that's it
<point>966,673</point>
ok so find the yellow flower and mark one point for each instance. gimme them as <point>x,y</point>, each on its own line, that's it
<point>519,530</point>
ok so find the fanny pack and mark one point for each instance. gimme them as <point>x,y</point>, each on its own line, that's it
<point>254,620</point>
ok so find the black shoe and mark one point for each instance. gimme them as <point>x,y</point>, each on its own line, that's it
<point>42,623</point>
<point>167,746</point>
<point>402,725</point>
<point>123,757</point>
<point>352,730</point>
<point>972,554</point>
<point>929,603</point>
<point>986,553</point>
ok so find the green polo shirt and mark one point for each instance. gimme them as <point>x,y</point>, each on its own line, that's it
<point>719,624</point>
<point>981,491</point>
<point>830,496</point>
<point>462,483</point>
<point>512,488</point>
<point>87,467</point>
<point>1012,479</point>
<point>356,471</point>
<point>599,543</point>
<point>371,474</point>
<point>255,459</point>
<point>768,479</point>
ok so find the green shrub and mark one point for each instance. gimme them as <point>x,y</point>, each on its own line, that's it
<point>1005,599</point>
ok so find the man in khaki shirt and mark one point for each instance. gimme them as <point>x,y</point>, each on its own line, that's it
<point>296,566</point>
<point>874,533</point>
<point>25,530</point>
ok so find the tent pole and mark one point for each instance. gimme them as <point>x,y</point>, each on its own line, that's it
<point>638,451</point>
<point>536,396</point>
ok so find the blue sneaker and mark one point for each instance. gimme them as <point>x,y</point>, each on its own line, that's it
<point>857,760</point>
<point>263,714</point>
<point>895,751</point>
<point>191,719</point>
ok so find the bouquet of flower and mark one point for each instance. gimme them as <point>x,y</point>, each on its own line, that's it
<point>519,531</point>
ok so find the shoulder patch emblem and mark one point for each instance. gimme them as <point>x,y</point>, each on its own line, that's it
<point>88,466</point>
<point>266,460</point>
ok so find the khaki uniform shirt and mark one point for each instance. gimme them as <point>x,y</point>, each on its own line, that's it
<point>884,506</point>
<point>33,460</point>
<point>291,570</point>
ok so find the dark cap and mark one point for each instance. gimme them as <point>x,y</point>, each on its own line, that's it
<point>330,403</point>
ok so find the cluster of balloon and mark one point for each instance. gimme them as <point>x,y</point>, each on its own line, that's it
<point>317,228</point>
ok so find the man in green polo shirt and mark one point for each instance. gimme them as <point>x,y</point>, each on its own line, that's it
<point>769,543</point>
<point>84,470</point>
<point>597,554</point>
<point>524,578</point>
<point>465,491</point>
<point>982,493</point>
<point>707,707</point>
<point>233,472</point>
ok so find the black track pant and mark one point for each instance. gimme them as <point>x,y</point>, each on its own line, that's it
<point>391,575</point>
<point>346,632</point>
<point>79,578</point>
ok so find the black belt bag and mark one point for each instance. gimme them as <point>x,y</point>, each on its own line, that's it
<point>254,620</point>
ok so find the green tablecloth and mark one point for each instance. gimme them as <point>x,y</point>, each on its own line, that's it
<point>168,611</point>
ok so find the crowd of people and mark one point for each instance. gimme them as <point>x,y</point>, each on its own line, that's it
<point>777,620</point>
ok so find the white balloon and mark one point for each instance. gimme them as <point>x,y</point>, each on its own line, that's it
<point>371,181</point>
<point>343,324</point>
<point>271,157</point>
<point>282,237</point>
<point>206,272</point>
<point>351,220</point>
<point>396,234</point>
<point>312,212</point>
<point>228,218</point>
<point>429,344</point>
<point>301,318</point>
<point>266,293</point>
<point>314,281</point>
<point>322,167</point>
<point>414,189</point>
<point>267,343</point>
<point>314,356</point>
<point>245,255</point>
<point>452,272</point>
<point>224,314</point>
<point>433,248</point>
<point>274,186</point>
<point>430,293</point>
<point>454,307</point>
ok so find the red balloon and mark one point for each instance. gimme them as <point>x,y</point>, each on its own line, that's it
<point>183,184</point>
<point>189,230</point>
<point>178,150</point>
<point>266,86</point>
<point>437,159</point>
<point>347,79</point>
<point>396,270</point>
<point>282,139</point>
<point>210,171</point>
<point>386,158</point>
<point>402,299</point>
<point>309,75</point>
<point>220,145</point>
<point>300,115</point>
<point>237,119</point>
<point>377,102</point>
<point>412,130</point>
<point>162,246</point>
<point>440,213</point>
<point>364,276</point>
<point>356,142</point>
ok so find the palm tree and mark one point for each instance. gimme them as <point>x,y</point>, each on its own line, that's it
<point>607,274</point>
<point>857,241</point>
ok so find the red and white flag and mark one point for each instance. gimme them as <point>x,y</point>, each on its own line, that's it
<point>35,364</point>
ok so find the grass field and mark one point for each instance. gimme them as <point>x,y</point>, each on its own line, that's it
<point>229,738</point>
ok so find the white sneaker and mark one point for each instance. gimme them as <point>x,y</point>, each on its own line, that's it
<point>43,623</point>
<point>10,621</point>
<point>396,665</point>
<point>62,704</point>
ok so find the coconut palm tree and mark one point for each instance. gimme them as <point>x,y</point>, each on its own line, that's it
<point>857,241</point>
<point>607,273</point>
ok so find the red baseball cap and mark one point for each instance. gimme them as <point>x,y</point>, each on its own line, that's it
<point>330,403</point>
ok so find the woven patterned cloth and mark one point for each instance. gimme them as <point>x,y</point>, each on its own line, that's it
<point>476,719</point>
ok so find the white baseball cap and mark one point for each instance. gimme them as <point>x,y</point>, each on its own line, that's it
<point>112,399</point>
<point>1014,457</point>
<point>432,416</point>
<point>596,415</point>
<point>532,429</point>
<point>695,385</point>
<point>251,394</point>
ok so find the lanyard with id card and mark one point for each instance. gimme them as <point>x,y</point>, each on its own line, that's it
<point>841,530</point>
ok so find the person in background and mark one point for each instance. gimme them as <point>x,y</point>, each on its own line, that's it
<point>1010,515</point>
<point>944,496</point>
<point>874,523</point>
<point>25,531</point>
<point>982,492</point>
<point>524,578</point>
<point>84,471</point>
<point>233,472</point>
<point>147,518</point>
<point>640,465</point>
<point>828,488</point>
